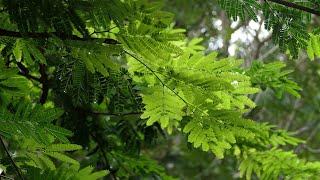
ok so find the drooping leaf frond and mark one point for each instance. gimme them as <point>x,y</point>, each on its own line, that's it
<point>271,76</point>
<point>163,106</point>
<point>264,166</point>
<point>313,49</point>
<point>66,172</point>
<point>287,24</point>
<point>142,165</point>
<point>32,122</point>
<point>199,87</point>
<point>218,131</point>
<point>11,84</point>
<point>238,8</point>
<point>40,155</point>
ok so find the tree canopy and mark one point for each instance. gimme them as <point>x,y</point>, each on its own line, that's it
<point>90,89</point>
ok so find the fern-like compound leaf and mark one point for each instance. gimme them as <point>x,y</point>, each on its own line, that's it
<point>264,167</point>
<point>66,172</point>
<point>32,122</point>
<point>163,106</point>
<point>218,131</point>
<point>271,76</point>
<point>313,49</point>
<point>12,84</point>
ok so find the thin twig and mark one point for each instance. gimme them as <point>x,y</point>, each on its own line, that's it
<point>292,115</point>
<point>97,32</point>
<point>313,133</point>
<point>104,154</point>
<point>25,72</point>
<point>296,6</point>
<point>6,177</point>
<point>46,35</point>
<point>272,50</point>
<point>29,76</point>
<point>108,164</point>
<point>301,130</point>
<point>154,73</point>
<point>115,114</point>
<point>315,151</point>
<point>128,170</point>
<point>165,85</point>
<point>11,159</point>
<point>305,146</point>
<point>259,46</point>
<point>45,83</point>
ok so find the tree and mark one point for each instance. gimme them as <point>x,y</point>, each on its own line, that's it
<point>117,75</point>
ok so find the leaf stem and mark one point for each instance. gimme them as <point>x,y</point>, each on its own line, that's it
<point>46,35</point>
<point>11,159</point>
<point>45,83</point>
<point>6,177</point>
<point>25,72</point>
<point>116,114</point>
<point>154,73</point>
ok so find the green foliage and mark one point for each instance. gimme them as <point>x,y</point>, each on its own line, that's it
<point>141,165</point>
<point>11,84</point>
<point>163,106</point>
<point>313,47</point>
<point>206,92</point>
<point>65,172</point>
<point>25,121</point>
<point>236,8</point>
<point>39,154</point>
<point>28,50</point>
<point>288,165</point>
<point>218,132</point>
<point>287,24</point>
<point>95,56</point>
<point>270,76</point>
<point>38,17</point>
<point>117,73</point>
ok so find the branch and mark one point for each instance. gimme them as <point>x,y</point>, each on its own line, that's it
<point>45,83</point>
<point>301,130</point>
<point>25,72</point>
<point>11,159</point>
<point>296,6</point>
<point>104,154</point>
<point>29,76</point>
<point>315,151</point>
<point>97,32</point>
<point>272,50</point>
<point>6,177</point>
<point>128,170</point>
<point>313,133</point>
<point>45,35</point>
<point>115,114</point>
<point>260,45</point>
<point>292,115</point>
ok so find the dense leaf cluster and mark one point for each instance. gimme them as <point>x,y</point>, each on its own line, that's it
<point>287,24</point>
